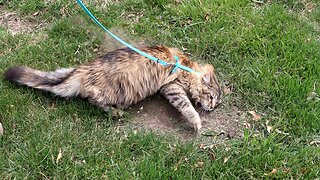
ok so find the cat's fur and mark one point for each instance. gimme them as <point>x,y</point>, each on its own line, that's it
<point>123,77</point>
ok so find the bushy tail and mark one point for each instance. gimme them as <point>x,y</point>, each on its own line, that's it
<point>61,82</point>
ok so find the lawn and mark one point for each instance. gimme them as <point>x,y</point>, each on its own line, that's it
<point>266,52</point>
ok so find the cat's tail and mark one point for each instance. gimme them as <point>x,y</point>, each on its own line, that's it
<point>62,82</point>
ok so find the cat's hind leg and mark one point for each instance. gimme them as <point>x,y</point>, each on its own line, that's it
<point>179,99</point>
<point>115,112</point>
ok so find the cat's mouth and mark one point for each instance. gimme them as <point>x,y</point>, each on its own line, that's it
<point>203,107</point>
<point>207,107</point>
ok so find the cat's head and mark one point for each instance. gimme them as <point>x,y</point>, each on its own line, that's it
<point>206,91</point>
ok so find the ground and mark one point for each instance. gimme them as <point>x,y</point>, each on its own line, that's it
<point>267,59</point>
<point>156,114</point>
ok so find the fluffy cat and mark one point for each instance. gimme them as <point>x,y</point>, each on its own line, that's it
<point>123,77</point>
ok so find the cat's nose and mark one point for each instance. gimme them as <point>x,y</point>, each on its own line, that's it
<point>216,104</point>
<point>210,108</point>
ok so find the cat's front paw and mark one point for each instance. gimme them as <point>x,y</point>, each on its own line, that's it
<point>195,123</point>
<point>197,126</point>
<point>197,130</point>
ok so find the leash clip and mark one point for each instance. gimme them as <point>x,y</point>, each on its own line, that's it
<point>175,65</point>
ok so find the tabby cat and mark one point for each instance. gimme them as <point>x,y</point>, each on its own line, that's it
<point>123,77</point>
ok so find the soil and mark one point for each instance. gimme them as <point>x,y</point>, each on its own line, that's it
<point>157,115</point>
<point>16,24</point>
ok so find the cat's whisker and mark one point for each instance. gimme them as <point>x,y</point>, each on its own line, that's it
<point>200,109</point>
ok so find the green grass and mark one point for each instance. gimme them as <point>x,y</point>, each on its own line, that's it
<point>269,53</point>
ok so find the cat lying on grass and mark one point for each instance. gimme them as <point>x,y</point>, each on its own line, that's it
<point>123,77</point>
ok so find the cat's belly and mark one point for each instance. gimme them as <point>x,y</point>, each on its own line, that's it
<point>118,93</point>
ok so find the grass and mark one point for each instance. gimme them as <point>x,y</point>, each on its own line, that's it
<point>267,51</point>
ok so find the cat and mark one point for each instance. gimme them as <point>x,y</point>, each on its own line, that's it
<point>123,77</point>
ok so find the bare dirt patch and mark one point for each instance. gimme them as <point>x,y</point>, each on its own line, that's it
<point>16,24</point>
<point>157,115</point>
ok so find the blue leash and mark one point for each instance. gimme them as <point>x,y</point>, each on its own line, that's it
<point>176,65</point>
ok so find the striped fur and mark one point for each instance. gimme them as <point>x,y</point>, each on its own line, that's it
<point>123,77</point>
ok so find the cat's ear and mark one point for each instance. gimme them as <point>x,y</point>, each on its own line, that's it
<point>207,79</point>
<point>208,68</point>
